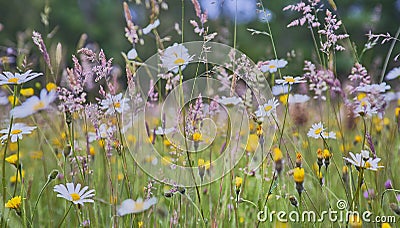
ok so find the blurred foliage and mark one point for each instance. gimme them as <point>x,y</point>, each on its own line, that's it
<point>103,22</point>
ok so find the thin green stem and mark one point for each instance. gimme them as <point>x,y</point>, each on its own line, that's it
<point>389,54</point>
<point>65,215</point>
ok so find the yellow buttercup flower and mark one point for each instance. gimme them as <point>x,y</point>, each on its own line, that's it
<point>355,221</point>
<point>51,86</point>
<point>167,143</point>
<point>92,150</point>
<point>14,203</point>
<point>140,224</point>
<point>241,220</point>
<point>200,162</point>
<point>207,165</point>
<point>11,99</point>
<point>27,92</point>
<point>327,154</point>
<point>12,159</point>
<point>386,225</point>
<point>252,143</point>
<point>397,111</point>
<point>277,154</point>
<point>196,136</point>
<point>238,182</point>
<point>259,130</point>
<point>283,98</point>
<point>357,139</point>
<point>298,175</point>
<point>345,169</point>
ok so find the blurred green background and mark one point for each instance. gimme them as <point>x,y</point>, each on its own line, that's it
<point>103,22</point>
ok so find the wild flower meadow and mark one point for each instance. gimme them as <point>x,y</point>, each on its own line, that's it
<point>198,134</point>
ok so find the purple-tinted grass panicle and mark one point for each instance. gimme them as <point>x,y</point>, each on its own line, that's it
<point>38,40</point>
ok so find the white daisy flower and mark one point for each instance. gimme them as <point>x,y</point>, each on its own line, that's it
<point>298,98</point>
<point>34,104</point>
<point>290,80</point>
<point>230,100</point>
<point>92,136</point>
<point>329,135</point>
<point>162,131</point>
<point>130,206</point>
<point>17,78</point>
<point>151,26</point>
<point>316,130</point>
<point>364,108</point>
<point>391,96</point>
<point>75,194</point>
<point>374,88</point>
<point>280,89</point>
<point>393,74</point>
<point>356,159</point>
<point>359,160</point>
<point>272,65</point>
<point>267,109</point>
<point>105,131</point>
<point>17,130</point>
<point>365,154</point>
<point>114,104</point>
<point>175,56</point>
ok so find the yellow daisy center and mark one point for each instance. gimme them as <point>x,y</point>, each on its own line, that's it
<point>272,66</point>
<point>290,79</point>
<point>13,80</point>
<point>38,106</point>
<point>117,105</point>
<point>368,165</point>
<point>268,107</point>
<point>16,131</point>
<point>138,206</point>
<point>361,96</point>
<point>318,131</point>
<point>179,61</point>
<point>75,196</point>
<point>363,103</point>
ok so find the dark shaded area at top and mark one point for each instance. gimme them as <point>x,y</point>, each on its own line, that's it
<point>103,21</point>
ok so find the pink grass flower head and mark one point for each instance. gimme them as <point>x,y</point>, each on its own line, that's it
<point>37,39</point>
